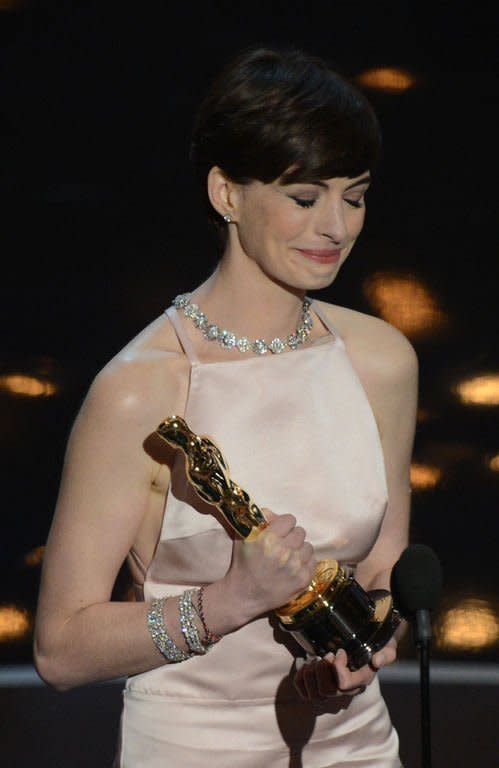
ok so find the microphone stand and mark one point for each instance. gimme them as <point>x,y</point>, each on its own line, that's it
<point>423,638</point>
<point>416,581</point>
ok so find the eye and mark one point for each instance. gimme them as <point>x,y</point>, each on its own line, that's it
<point>303,202</point>
<point>355,203</point>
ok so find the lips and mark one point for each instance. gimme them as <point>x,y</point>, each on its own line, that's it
<point>322,255</point>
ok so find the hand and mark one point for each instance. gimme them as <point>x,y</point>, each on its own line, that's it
<point>320,679</point>
<point>268,571</point>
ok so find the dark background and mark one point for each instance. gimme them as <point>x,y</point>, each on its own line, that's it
<point>102,226</point>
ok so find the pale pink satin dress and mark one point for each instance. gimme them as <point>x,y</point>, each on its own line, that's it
<point>299,435</point>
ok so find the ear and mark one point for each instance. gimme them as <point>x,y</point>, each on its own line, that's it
<point>222,192</point>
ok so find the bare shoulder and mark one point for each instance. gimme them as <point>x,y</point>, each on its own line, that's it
<point>377,349</point>
<point>146,381</point>
<point>387,367</point>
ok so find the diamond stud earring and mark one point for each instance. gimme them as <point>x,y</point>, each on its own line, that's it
<point>227,218</point>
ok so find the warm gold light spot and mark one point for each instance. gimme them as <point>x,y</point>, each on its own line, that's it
<point>14,623</point>
<point>493,463</point>
<point>35,557</point>
<point>405,302</point>
<point>394,80</point>
<point>27,386</point>
<point>424,476</point>
<point>471,625</point>
<point>424,415</point>
<point>479,390</point>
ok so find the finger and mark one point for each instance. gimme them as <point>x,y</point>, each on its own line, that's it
<point>319,683</point>
<point>342,673</point>
<point>351,682</point>
<point>284,557</point>
<point>295,564</point>
<point>268,514</point>
<point>354,691</point>
<point>306,552</point>
<point>379,660</point>
<point>386,655</point>
<point>295,538</point>
<point>309,570</point>
<point>281,525</point>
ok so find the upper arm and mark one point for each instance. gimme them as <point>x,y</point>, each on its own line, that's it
<point>104,488</point>
<point>391,382</point>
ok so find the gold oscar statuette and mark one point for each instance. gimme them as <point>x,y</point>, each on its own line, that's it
<point>334,611</point>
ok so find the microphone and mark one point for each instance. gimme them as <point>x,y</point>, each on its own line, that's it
<point>416,583</point>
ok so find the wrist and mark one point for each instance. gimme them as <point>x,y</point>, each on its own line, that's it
<point>224,607</point>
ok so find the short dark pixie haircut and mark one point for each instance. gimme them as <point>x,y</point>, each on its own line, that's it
<point>283,114</point>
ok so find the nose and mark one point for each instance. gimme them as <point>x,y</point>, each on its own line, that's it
<point>332,224</point>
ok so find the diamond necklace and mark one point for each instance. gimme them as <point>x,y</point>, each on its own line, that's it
<point>228,340</point>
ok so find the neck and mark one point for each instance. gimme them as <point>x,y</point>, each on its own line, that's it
<point>248,302</point>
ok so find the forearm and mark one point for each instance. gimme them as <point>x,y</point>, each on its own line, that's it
<point>105,640</point>
<point>379,579</point>
<point>112,639</point>
<point>100,642</point>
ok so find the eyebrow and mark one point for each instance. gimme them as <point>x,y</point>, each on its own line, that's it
<point>363,180</point>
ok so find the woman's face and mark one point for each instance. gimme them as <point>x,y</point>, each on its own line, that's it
<point>300,234</point>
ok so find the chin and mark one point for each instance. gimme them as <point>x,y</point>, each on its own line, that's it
<point>303,281</point>
<point>315,284</point>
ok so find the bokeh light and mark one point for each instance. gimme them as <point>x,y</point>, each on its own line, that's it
<point>492,463</point>
<point>26,385</point>
<point>423,477</point>
<point>470,625</point>
<point>479,390</point>
<point>406,302</point>
<point>15,623</point>
<point>425,415</point>
<point>34,558</point>
<point>393,80</point>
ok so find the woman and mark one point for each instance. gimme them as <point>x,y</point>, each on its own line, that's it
<point>317,425</point>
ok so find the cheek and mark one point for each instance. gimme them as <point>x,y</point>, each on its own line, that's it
<point>285,226</point>
<point>251,228</point>
<point>270,226</point>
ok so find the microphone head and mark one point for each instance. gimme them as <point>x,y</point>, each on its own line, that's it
<point>416,580</point>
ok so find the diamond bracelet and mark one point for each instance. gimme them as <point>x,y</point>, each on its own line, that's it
<point>161,638</point>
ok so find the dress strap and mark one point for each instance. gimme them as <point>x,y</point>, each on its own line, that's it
<point>326,321</point>
<point>186,343</point>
